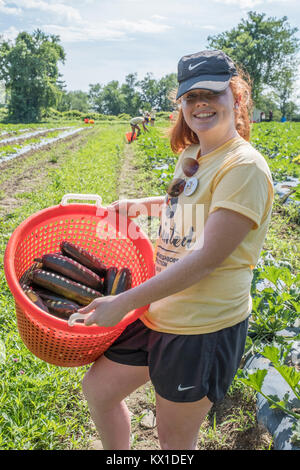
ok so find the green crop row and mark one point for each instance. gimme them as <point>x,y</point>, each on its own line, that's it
<point>41,406</point>
<point>279,143</point>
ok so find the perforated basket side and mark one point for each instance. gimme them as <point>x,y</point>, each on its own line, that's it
<point>61,349</point>
<point>48,337</point>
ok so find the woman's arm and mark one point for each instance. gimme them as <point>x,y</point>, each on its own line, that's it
<point>223,232</point>
<point>149,206</point>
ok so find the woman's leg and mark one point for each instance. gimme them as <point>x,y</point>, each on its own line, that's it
<point>105,386</point>
<point>132,132</point>
<point>178,423</point>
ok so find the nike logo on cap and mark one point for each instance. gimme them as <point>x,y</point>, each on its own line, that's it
<point>180,388</point>
<point>192,67</point>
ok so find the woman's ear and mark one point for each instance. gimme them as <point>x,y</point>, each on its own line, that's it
<point>237,101</point>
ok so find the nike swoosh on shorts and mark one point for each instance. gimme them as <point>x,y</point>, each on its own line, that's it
<point>180,388</point>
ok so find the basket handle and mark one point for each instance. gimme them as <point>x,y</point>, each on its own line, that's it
<point>82,197</point>
<point>76,316</point>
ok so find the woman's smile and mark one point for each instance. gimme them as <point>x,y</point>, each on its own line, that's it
<point>204,115</point>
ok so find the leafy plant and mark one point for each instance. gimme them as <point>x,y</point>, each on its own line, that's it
<point>160,160</point>
<point>280,146</point>
<point>277,354</point>
<point>275,306</point>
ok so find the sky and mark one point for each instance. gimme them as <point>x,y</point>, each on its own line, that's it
<point>106,40</point>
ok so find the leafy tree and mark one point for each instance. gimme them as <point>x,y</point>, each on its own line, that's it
<point>165,85</point>
<point>272,100</point>
<point>149,91</point>
<point>95,97</point>
<point>132,98</point>
<point>2,93</point>
<point>113,99</point>
<point>155,93</point>
<point>133,95</point>
<point>78,100</point>
<point>264,47</point>
<point>29,69</point>
<point>107,99</point>
<point>284,91</point>
<point>269,101</point>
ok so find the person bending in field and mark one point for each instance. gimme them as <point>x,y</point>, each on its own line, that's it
<point>135,125</point>
<point>190,341</point>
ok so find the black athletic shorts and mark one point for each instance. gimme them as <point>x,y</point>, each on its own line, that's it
<point>183,368</point>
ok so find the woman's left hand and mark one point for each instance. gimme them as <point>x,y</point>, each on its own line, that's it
<point>106,311</point>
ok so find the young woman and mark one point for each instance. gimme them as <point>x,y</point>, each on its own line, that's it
<point>134,122</point>
<point>190,341</point>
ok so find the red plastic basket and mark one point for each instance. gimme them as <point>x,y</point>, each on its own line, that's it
<point>129,136</point>
<point>118,243</point>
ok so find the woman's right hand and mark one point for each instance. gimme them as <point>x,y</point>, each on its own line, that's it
<point>128,207</point>
<point>149,206</point>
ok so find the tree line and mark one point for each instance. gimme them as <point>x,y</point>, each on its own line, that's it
<point>130,97</point>
<point>265,48</point>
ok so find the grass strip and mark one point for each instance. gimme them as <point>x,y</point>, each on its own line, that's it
<point>41,405</point>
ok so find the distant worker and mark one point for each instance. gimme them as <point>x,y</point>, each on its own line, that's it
<point>135,126</point>
<point>270,115</point>
<point>152,117</point>
<point>147,117</point>
<point>283,119</point>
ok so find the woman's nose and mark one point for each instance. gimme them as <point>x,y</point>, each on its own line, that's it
<point>201,100</point>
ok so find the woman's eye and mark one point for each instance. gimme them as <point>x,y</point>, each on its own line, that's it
<point>204,96</point>
<point>191,97</point>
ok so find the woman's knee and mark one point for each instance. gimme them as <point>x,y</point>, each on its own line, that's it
<point>110,382</point>
<point>88,384</point>
<point>94,386</point>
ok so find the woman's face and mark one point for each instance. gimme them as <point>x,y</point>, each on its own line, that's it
<point>206,111</point>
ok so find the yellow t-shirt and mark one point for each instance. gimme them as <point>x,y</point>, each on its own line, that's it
<point>234,176</point>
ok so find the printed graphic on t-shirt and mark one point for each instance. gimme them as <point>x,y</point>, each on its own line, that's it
<point>176,233</point>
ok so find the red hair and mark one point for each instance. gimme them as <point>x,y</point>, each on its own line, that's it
<point>181,136</point>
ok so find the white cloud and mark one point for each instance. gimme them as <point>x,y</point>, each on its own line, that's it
<point>10,33</point>
<point>210,27</point>
<point>8,10</point>
<point>108,31</point>
<point>61,11</point>
<point>80,33</point>
<point>139,26</point>
<point>248,3</point>
<point>158,17</point>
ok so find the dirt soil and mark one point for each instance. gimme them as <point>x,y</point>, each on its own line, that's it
<point>24,177</point>
<point>19,139</point>
<point>230,425</point>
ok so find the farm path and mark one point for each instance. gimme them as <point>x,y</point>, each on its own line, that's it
<point>132,186</point>
<point>24,174</point>
<point>127,188</point>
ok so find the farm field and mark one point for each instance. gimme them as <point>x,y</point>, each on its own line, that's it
<point>41,405</point>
